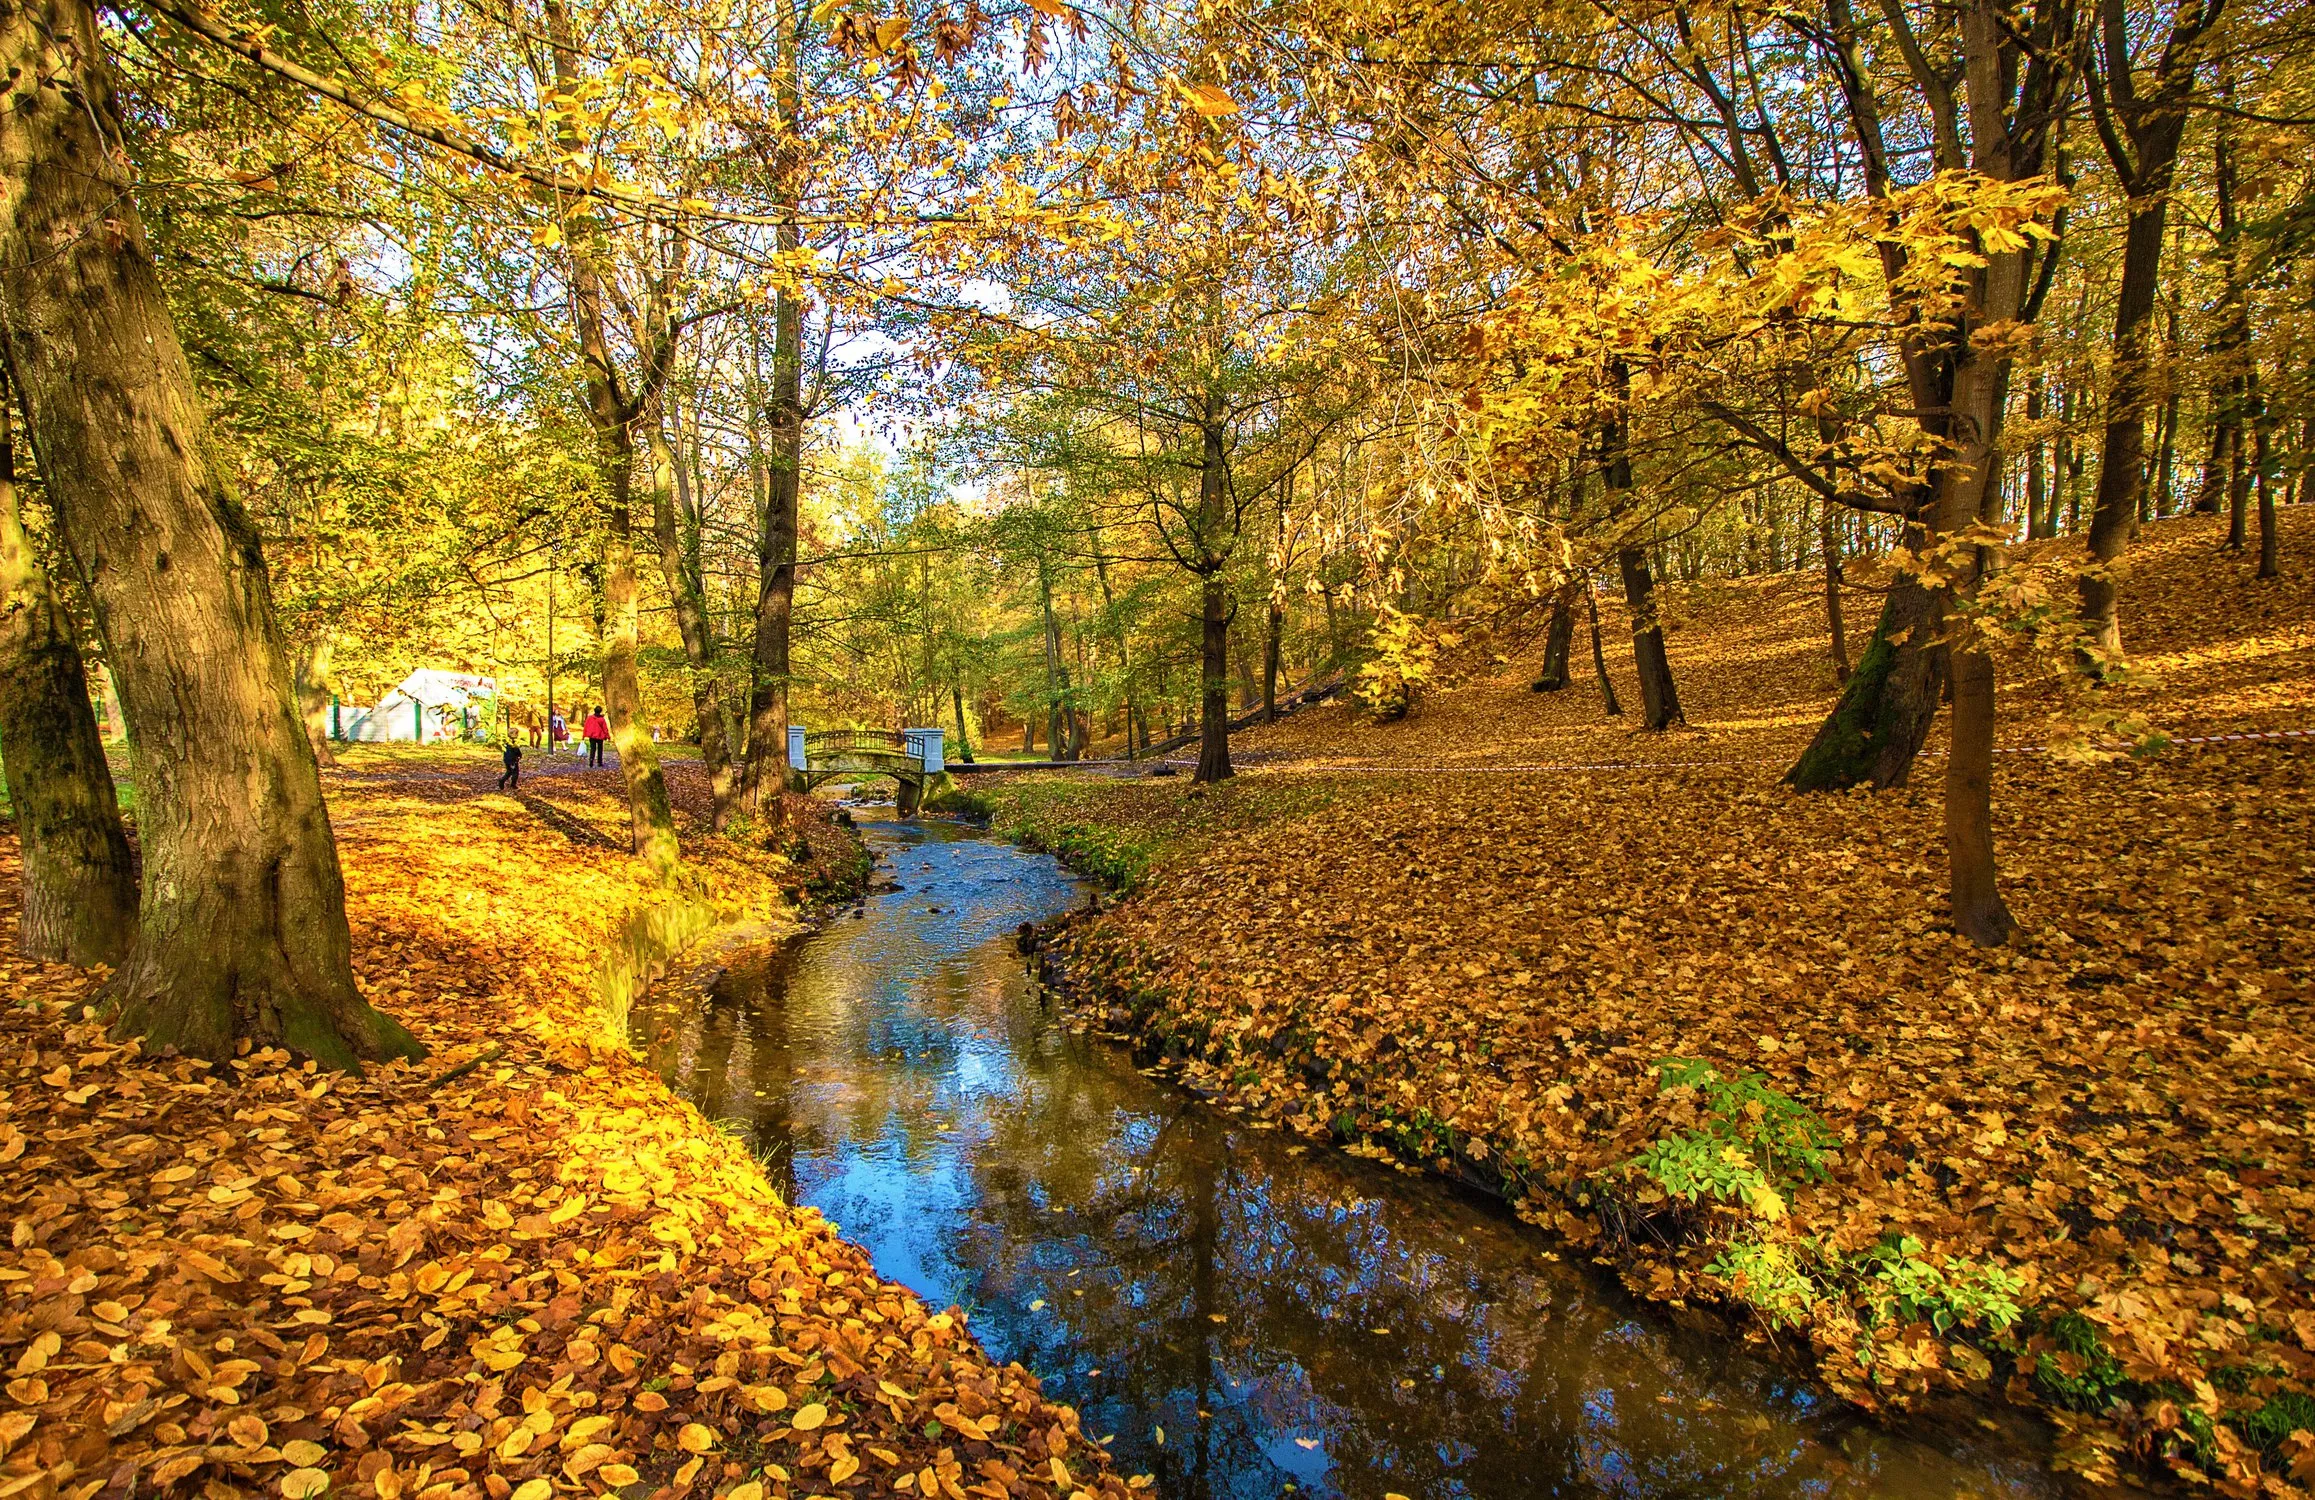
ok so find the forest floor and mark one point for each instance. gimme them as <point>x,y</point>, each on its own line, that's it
<point>1902,1139</point>
<point>521,1267</point>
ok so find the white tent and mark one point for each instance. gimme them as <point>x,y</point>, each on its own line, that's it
<point>429,706</point>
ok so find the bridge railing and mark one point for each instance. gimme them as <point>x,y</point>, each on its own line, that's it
<point>821,745</point>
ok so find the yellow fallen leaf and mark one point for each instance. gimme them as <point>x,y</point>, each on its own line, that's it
<point>694,1438</point>
<point>533,1489</point>
<point>301,1453</point>
<point>843,1468</point>
<point>617,1474</point>
<point>304,1484</point>
<point>808,1418</point>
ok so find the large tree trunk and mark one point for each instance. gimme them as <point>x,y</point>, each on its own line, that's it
<point>1060,731</point>
<point>1876,729</point>
<point>1558,637</point>
<point>651,817</point>
<point>1659,697</point>
<point>767,758</point>
<point>242,929</point>
<point>1273,639</point>
<point>80,883</point>
<point>692,621</point>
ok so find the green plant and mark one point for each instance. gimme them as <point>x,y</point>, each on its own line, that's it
<point>1783,1133</point>
<point>1768,1277</point>
<point>2095,1383</point>
<point>1751,1136</point>
<point>1901,1282</point>
<point>2285,1413</point>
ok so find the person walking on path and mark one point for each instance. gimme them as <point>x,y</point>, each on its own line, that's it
<point>511,777</point>
<point>597,729</point>
<point>558,730</point>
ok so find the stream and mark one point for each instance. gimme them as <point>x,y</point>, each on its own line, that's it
<point>1248,1316</point>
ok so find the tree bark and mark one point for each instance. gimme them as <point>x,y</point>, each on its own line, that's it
<point>242,929</point>
<point>2142,135</point>
<point>1558,637</point>
<point>1829,538</point>
<point>1608,703</point>
<point>313,696</point>
<point>1213,605</point>
<point>1659,697</point>
<point>700,649</point>
<point>80,882</point>
<point>767,751</point>
<point>651,817</point>
<point>1273,639</point>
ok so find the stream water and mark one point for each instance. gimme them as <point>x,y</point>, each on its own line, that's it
<point>1248,1317</point>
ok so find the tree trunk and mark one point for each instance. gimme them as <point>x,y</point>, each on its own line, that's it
<point>1829,536</point>
<point>767,750</point>
<point>242,929</point>
<point>313,696</point>
<point>697,627</point>
<point>2270,544</point>
<point>1884,713</point>
<point>1060,736</point>
<point>1659,697</point>
<point>1214,609</point>
<point>2039,508</point>
<point>964,740</point>
<point>650,816</point>
<point>1273,639</point>
<point>1608,703</point>
<point>80,883</point>
<point>2144,154</point>
<point>1557,638</point>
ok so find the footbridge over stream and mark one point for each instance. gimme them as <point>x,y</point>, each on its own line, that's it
<point>910,757</point>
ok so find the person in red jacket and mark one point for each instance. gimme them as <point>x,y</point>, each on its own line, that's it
<point>597,729</point>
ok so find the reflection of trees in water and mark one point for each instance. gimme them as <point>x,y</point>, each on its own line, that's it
<point>729,1052</point>
<point>1175,1219</point>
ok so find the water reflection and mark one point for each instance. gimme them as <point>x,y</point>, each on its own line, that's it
<point>1247,1318</point>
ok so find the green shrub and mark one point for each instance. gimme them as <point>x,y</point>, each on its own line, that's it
<point>1902,1283</point>
<point>1769,1278</point>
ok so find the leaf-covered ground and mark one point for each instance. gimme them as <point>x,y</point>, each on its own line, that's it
<point>544,1276</point>
<point>2106,1125</point>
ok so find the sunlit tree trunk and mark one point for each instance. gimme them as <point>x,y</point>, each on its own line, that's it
<point>242,930</point>
<point>697,628</point>
<point>80,883</point>
<point>313,695</point>
<point>651,817</point>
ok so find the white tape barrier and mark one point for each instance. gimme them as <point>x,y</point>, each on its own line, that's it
<point>1692,765</point>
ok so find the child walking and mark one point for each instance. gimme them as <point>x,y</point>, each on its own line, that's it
<point>511,777</point>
